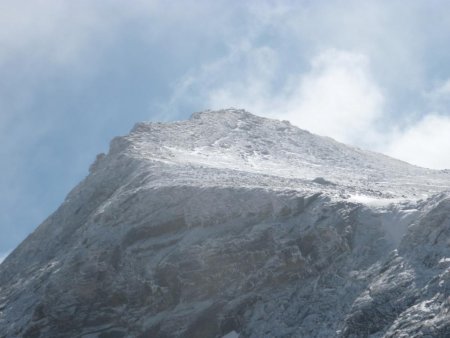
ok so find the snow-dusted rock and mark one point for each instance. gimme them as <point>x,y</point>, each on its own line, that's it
<point>232,225</point>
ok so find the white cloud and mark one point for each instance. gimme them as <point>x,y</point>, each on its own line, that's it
<point>426,143</point>
<point>336,98</point>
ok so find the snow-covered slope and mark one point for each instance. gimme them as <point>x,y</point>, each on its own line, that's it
<point>229,224</point>
<point>234,140</point>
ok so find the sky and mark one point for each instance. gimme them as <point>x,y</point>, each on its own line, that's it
<point>74,74</point>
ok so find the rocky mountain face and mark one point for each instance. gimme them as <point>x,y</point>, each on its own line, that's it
<point>232,225</point>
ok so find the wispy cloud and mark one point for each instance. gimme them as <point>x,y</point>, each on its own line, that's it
<point>424,143</point>
<point>337,97</point>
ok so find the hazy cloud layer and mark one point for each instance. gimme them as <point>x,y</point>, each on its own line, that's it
<point>76,73</point>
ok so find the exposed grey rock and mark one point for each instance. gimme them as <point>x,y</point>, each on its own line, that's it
<point>321,180</point>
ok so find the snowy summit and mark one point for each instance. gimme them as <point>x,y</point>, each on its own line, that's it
<point>249,148</point>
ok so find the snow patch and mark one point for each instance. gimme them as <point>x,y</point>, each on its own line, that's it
<point>444,262</point>
<point>374,201</point>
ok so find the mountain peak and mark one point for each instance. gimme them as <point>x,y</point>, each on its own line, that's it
<point>230,224</point>
<point>239,144</point>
